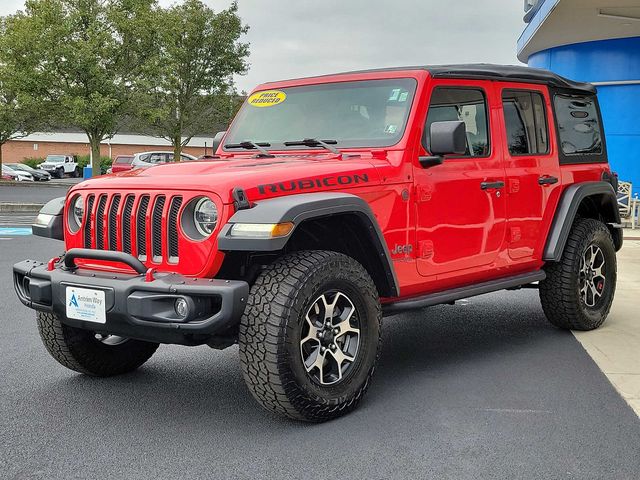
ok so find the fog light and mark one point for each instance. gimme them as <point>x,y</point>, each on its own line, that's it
<point>181,307</point>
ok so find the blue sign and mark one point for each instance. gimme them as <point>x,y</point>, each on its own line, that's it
<point>14,231</point>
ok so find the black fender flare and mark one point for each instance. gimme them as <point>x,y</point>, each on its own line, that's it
<point>567,210</point>
<point>297,209</point>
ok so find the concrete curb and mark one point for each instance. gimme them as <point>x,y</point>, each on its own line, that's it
<point>50,183</point>
<point>10,207</point>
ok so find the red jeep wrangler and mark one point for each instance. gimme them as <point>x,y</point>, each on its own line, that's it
<point>334,201</point>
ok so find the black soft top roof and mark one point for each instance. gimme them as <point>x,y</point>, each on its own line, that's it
<point>487,71</point>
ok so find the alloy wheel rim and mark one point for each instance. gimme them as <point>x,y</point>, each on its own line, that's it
<point>330,338</point>
<point>592,275</point>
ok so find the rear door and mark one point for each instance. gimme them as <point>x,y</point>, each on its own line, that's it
<point>460,203</point>
<point>532,168</point>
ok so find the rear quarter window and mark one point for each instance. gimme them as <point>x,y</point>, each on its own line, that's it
<point>580,135</point>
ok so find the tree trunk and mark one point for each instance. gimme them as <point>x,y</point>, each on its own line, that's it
<point>94,141</point>
<point>177,149</point>
<point>1,145</point>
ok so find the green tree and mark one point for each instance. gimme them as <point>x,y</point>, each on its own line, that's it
<point>19,114</point>
<point>90,56</point>
<point>191,87</point>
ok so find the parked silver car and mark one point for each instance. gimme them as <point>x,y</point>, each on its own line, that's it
<point>38,175</point>
<point>17,175</point>
<point>149,159</point>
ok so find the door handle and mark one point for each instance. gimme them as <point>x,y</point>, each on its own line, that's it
<point>491,185</point>
<point>547,180</point>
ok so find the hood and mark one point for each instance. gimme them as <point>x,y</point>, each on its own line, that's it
<point>259,177</point>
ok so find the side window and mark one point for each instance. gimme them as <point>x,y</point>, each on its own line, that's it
<point>525,122</point>
<point>156,158</point>
<point>578,125</point>
<point>462,104</point>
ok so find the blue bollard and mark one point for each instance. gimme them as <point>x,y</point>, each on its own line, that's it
<point>86,173</point>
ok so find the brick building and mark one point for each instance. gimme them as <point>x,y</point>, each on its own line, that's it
<point>43,144</point>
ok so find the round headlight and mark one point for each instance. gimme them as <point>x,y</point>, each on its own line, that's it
<point>205,216</point>
<point>78,210</point>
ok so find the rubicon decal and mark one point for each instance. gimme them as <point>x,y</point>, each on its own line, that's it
<point>313,183</point>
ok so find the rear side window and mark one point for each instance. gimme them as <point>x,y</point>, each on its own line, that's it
<point>461,104</point>
<point>578,126</point>
<point>122,159</point>
<point>156,158</point>
<point>525,122</point>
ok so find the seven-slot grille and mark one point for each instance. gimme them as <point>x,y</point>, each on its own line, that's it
<point>145,223</point>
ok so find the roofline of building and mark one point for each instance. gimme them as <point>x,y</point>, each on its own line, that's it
<point>119,139</point>
<point>558,23</point>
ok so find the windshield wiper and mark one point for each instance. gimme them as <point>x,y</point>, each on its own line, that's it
<point>253,146</point>
<point>314,142</point>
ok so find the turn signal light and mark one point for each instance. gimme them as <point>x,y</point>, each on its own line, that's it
<point>261,230</point>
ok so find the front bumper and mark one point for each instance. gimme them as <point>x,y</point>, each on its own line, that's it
<point>137,306</point>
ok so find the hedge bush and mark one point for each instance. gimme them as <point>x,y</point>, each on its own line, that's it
<point>83,161</point>
<point>33,162</point>
<point>105,162</point>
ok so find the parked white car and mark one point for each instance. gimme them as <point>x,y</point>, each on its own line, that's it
<point>149,159</point>
<point>17,175</point>
<point>61,165</point>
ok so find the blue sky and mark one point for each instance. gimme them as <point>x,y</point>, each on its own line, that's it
<point>307,37</point>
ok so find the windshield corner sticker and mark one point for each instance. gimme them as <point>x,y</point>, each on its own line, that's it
<point>267,98</point>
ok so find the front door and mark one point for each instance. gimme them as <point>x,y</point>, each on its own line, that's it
<point>461,203</point>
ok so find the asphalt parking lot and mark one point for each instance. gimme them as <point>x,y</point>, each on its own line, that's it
<point>36,192</point>
<point>483,389</point>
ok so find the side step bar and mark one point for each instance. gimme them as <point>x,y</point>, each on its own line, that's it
<point>454,294</point>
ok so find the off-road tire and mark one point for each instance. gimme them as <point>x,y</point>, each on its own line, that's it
<point>560,295</point>
<point>60,172</point>
<point>270,334</point>
<point>76,173</point>
<point>79,350</point>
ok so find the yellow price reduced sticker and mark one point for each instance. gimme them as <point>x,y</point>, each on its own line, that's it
<point>267,98</point>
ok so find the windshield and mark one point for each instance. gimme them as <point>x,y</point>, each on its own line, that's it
<point>55,158</point>
<point>370,113</point>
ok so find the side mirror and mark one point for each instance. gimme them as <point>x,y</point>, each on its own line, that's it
<point>446,138</point>
<point>217,139</point>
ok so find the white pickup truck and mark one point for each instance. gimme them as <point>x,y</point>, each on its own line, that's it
<point>61,165</point>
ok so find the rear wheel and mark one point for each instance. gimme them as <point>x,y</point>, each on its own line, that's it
<point>91,353</point>
<point>76,172</point>
<point>310,335</point>
<point>578,291</point>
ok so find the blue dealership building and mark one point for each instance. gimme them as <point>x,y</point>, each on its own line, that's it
<point>595,41</point>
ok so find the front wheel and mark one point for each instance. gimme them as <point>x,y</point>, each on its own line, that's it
<point>310,335</point>
<point>578,291</point>
<point>60,172</point>
<point>90,353</point>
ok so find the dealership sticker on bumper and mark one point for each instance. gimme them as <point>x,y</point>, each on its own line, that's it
<point>86,304</point>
